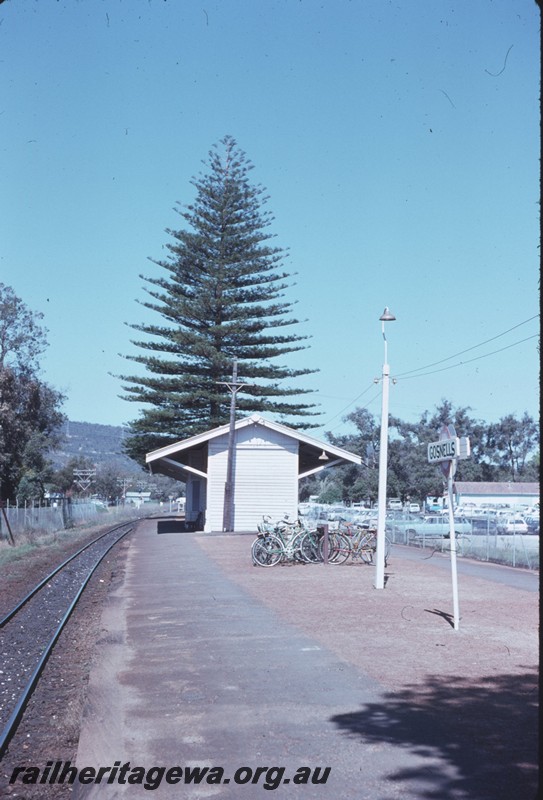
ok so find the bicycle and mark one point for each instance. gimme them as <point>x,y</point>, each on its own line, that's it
<point>266,550</point>
<point>291,541</point>
<point>278,542</point>
<point>362,542</point>
<point>312,547</point>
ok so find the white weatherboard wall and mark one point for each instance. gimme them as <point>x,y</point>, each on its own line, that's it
<point>266,477</point>
<point>196,488</point>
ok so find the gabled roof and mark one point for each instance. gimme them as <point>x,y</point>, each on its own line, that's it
<point>165,456</point>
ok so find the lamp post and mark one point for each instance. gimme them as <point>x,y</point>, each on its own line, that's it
<point>386,316</point>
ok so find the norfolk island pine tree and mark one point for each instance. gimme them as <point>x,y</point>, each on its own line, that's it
<point>222,297</point>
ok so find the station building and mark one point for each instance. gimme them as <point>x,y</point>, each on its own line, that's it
<point>485,493</point>
<point>269,460</point>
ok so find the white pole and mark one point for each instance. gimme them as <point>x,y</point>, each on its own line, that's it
<point>382,492</point>
<point>228,510</point>
<point>454,574</point>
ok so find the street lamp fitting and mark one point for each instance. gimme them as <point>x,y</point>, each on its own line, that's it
<point>387,315</point>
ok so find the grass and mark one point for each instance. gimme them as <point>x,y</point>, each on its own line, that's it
<point>29,542</point>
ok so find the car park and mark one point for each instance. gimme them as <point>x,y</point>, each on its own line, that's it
<point>430,527</point>
<point>510,525</point>
<point>336,513</point>
<point>484,523</point>
<point>532,521</point>
<point>436,526</point>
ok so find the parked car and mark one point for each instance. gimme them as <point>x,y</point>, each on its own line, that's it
<point>510,525</point>
<point>532,521</point>
<point>436,526</point>
<point>394,504</point>
<point>484,523</point>
<point>337,512</point>
<point>413,508</point>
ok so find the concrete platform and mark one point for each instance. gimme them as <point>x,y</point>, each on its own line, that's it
<point>192,671</point>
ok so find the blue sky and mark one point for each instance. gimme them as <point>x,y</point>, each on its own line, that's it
<point>399,145</point>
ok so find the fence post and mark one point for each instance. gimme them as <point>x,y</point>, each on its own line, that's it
<point>66,510</point>
<point>10,534</point>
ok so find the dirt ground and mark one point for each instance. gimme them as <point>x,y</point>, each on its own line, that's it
<point>470,694</point>
<point>481,679</point>
<point>401,634</point>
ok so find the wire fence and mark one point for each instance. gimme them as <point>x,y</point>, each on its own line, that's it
<point>36,519</point>
<point>514,550</point>
<point>480,540</point>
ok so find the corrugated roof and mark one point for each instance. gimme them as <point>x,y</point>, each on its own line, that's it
<point>492,488</point>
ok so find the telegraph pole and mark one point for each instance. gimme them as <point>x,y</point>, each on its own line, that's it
<point>228,511</point>
<point>84,477</point>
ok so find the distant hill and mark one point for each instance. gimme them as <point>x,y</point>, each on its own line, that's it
<point>102,444</point>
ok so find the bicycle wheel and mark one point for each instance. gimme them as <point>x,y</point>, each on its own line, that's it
<point>339,548</point>
<point>297,543</point>
<point>342,548</point>
<point>365,552</point>
<point>267,550</point>
<point>309,547</point>
<point>370,548</point>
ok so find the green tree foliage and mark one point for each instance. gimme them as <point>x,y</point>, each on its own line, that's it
<point>37,470</point>
<point>22,338</point>
<point>63,480</point>
<point>109,483</point>
<point>30,415</point>
<point>411,474</point>
<point>360,483</point>
<point>328,487</point>
<point>510,442</point>
<point>507,450</point>
<point>222,296</point>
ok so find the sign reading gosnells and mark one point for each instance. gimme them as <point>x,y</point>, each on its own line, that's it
<point>443,450</point>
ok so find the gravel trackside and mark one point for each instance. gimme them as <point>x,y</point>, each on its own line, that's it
<point>469,695</point>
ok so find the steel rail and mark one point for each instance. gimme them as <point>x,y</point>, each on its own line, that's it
<point>41,584</point>
<point>19,709</point>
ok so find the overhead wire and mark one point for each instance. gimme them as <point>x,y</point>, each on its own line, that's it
<point>366,390</point>
<point>474,347</point>
<point>409,375</point>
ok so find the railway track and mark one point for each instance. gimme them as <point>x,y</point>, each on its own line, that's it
<point>29,631</point>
